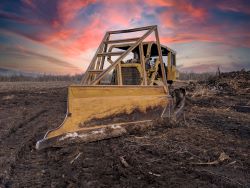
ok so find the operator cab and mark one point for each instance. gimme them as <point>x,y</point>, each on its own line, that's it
<point>132,71</point>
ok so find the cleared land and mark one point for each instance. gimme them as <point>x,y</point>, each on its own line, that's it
<point>210,147</point>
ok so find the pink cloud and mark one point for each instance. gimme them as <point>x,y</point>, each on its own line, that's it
<point>184,10</point>
<point>120,13</point>
<point>182,21</point>
<point>89,38</point>
<point>68,10</point>
<point>185,22</point>
<point>74,27</point>
<point>235,6</point>
<point>74,41</point>
<point>160,2</point>
<point>58,36</point>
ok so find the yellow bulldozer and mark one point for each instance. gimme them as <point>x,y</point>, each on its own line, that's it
<point>126,86</point>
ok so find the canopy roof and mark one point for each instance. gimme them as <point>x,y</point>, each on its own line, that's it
<point>154,50</point>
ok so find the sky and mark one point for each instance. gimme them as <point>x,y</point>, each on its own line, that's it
<point>61,36</point>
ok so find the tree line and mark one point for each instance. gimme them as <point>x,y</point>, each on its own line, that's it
<point>41,78</point>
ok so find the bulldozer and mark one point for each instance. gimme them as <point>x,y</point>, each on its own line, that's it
<point>126,86</point>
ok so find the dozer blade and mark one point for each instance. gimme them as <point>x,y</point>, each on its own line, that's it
<point>101,112</point>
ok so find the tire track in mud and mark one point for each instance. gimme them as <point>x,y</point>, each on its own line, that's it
<point>21,165</point>
<point>14,129</point>
<point>167,154</point>
<point>12,147</point>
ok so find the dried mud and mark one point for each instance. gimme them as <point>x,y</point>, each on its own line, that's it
<point>209,147</point>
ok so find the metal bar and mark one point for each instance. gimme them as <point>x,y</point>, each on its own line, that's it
<point>86,75</point>
<point>97,63</point>
<point>104,50</point>
<point>169,65</point>
<point>119,45</point>
<point>143,64</point>
<point>100,76</point>
<point>132,30</point>
<point>110,53</point>
<point>95,70</point>
<point>154,73</point>
<point>160,56</point>
<point>119,74</point>
<point>149,50</point>
<point>121,40</point>
<point>110,61</point>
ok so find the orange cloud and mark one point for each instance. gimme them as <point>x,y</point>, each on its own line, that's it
<point>195,12</point>
<point>89,37</point>
<point>59,36</point>
<point>159,2</point>
<point>182,12</point>
<point>185,22</point>
<point>120,13</point>
<point>111,15</point>
<point>178,20</point>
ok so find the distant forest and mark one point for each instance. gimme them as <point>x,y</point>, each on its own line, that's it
<point>77,78</point>
<point>197,76</point>
<point>40,78</point>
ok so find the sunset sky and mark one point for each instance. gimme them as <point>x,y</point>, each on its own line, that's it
<point>61,36</point>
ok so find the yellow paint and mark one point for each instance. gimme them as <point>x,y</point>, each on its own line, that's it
<point>88,102</point>
<point>172,71</point>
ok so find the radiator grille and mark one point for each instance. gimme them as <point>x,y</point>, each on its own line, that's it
<point>131,76</point>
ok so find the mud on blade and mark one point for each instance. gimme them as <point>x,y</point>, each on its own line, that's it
<point>101,112</point>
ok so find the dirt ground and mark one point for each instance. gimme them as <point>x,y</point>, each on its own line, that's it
<point>210,147</point>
